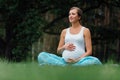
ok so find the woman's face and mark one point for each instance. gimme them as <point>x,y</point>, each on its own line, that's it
<point>73,16</point>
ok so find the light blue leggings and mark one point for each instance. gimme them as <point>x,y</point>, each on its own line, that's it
<point>45,58</point>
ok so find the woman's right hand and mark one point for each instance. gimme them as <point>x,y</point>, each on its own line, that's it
<point>69,46</point>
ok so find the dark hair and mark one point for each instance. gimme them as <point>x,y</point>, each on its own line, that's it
<point>79,11</point>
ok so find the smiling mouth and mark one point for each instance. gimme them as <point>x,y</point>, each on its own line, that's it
<point>71,19</point>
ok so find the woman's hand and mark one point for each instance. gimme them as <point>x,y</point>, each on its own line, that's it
<point>69,46</point>
<point>73,60</point>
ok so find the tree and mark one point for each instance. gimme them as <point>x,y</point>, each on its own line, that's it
<point>22,28</point>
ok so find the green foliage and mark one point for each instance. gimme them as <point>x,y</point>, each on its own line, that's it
<point>23,26</point>
<point>27,32</point>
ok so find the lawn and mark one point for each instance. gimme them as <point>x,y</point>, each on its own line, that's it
<point>32,71</point>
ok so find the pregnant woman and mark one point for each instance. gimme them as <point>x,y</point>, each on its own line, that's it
<point>75,45</point>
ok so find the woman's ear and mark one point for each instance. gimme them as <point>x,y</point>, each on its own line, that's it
<point>79,17</point>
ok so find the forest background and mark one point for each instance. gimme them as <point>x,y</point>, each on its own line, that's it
<point>28,27</point>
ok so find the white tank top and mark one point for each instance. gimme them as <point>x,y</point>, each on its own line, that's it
<point>78,41</point>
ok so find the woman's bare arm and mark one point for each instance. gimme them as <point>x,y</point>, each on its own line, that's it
<point>61,42</point>
<point>88,43</point>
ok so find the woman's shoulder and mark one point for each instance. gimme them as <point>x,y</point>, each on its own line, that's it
<point>64,30</point>
<point>86,30</point>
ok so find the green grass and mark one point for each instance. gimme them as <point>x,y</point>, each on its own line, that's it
<point>32,71</point>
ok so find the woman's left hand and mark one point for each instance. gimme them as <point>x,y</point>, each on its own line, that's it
<point>73,60</point>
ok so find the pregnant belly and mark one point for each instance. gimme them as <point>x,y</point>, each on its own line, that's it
<point>72,54</point>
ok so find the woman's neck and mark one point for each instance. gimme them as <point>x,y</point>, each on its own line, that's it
<point>76,25</point>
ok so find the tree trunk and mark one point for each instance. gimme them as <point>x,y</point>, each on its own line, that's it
<point>50,43</point>
<point>2,47</point>
<point>107,16</point>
